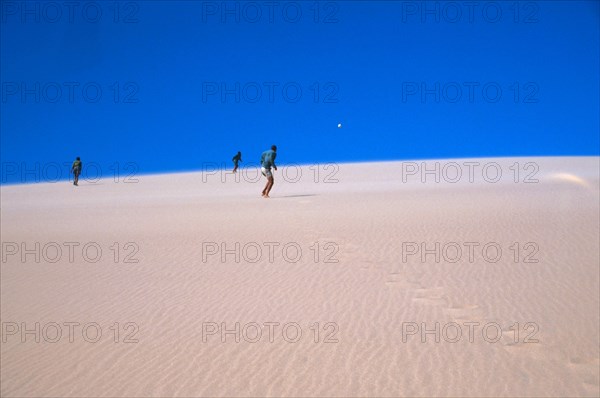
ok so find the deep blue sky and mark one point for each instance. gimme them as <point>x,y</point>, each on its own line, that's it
<point>362,58</point>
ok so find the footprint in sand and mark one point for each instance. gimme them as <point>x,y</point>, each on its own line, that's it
<point>405,280</point>
<point>401,283</point>
<point>432,296</point>
<point>367,265</point>
<point>464,312</point>
<point>587,372</point>
<point>438,301</point>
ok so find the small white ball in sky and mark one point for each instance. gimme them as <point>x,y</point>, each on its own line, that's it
<point>339,125</point>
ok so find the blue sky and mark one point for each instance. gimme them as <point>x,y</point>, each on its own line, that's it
<point>154,83</point>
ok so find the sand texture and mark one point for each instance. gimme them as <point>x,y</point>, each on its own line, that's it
<point>335,254</point>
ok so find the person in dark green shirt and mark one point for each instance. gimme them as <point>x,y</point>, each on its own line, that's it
<point>237,158</point>
<point>76,170</point>
<point>267,161</point>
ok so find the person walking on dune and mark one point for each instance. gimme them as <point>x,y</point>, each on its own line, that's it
<point>76,170</point>
<point>237,158</point>
<point>267,161</point>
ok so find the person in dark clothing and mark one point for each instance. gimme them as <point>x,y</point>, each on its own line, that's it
<point>237,158</point>
<point>76,170</point>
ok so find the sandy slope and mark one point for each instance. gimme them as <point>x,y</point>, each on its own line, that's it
<point>368,301</point>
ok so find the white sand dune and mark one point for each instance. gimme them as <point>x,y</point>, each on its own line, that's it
<point>365,304</point>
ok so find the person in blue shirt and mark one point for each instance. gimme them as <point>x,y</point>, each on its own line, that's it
<point>267,161</point>
<point>237,158</point>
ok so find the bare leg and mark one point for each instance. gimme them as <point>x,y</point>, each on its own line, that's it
<point>235,168</point>
<point>76,178</point>
<point>269,186</point>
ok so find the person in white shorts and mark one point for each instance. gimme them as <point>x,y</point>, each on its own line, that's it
<point>267,161</point>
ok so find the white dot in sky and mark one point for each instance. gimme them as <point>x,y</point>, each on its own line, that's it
<point>339,125</point>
